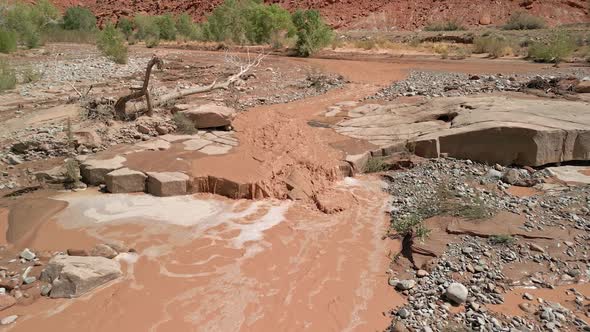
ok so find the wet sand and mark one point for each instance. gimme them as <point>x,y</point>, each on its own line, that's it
<point>561,294</point>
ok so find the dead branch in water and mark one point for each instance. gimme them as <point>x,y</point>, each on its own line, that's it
<point>147,105</point>
<point>121,104</point>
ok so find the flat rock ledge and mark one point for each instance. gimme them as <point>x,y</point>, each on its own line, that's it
<point>494,130</point>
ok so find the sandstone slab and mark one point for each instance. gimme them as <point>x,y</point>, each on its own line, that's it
<point>210,115</point>
<point>125,180</point>
<point>167,183</point>
<point>73,276</point>
<point>94,171</point>
<point>485,129</point>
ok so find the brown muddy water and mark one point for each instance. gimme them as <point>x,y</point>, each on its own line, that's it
<point>210,264</point>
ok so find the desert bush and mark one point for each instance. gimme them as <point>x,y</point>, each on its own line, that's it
<point>79,18</point>
<point>167,26</point>
<point>183,124</point>
<point>312,32</point>
<point>20,19</point>
<point>148,30</point>
<point>410,226</point>
<point>501,240</point>
<point>248,21</point>
<point>111,43</point>
<point>57,34</point>
<point>44,13</point>
<point>187,28</point>
<point>524,21</point>
<point>28,74</point>
<point>7,76</point>
<point>444,26</point>
<point>377,164</point>
<point>495,46</point>
<point>7,41</point>
<point>559,46</point>
<point>125,25</point>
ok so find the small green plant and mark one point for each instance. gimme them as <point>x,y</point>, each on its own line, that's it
<point>444,26</point>
<point>313,33</point>
<point>112,44</point>
<point>69,132</point>
<point>29,75</point>
<point>559,47</point>
<point>524,21</point>
<point>71,173</point>
<point>7,76</point>
<point>7,41</point>
<point>501,240</point>
<point>184,125</point>
<point>411,226</point>
<point>377,164</point>
<point>126,26</point>
<point>79,18</point>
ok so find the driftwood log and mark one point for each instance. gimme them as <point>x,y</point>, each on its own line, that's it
<point>121,104</point>
<point>124,108</point>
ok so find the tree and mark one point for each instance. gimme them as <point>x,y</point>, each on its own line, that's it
<point>313,33</point>
<point>125,25</point>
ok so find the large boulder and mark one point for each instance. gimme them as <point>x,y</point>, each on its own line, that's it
<point>457,293</point>
<point>94,171</point>
<point>210,116</point>
<point>167,183</point>
<point>73,276</point>
<point>125,180</point>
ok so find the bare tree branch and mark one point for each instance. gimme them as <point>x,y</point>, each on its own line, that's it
<point>143,106</point>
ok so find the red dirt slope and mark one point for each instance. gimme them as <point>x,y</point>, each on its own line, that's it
<point>380,14</point>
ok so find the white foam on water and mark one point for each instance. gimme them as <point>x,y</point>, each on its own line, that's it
<point>200,215</point>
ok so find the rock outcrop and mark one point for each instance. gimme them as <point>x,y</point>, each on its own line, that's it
<point>492,130</point>
<point>73,276</point>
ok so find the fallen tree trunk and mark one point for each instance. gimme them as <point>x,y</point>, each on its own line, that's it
<point>140,107</point>
<point>121,104</point>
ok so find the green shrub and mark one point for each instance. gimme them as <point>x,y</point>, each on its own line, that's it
<point>148,30</point>
<point>79,18</point>
<point>495,46</point>
<point>187,28</point>
<point>501,239</point>
<point>560,46</point>
<point>20,18</point>
<point>125,25</point>
<point>444,26</point>
<point>29,75</point>
<point>312,33</point>
<point>45,13</point>
<point>183,124</point>
<point>248,21</point>
<point>112,44</point>
<point>167,27</point>
<point>524,21</point>
<point>7,76</point>
<point>377,164</point>
<point>7,41</point>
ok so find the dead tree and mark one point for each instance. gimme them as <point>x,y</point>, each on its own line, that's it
<point>146,106</point>
<point>121,104</point>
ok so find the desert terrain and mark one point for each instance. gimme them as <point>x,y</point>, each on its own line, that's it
<point>395,180</point>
